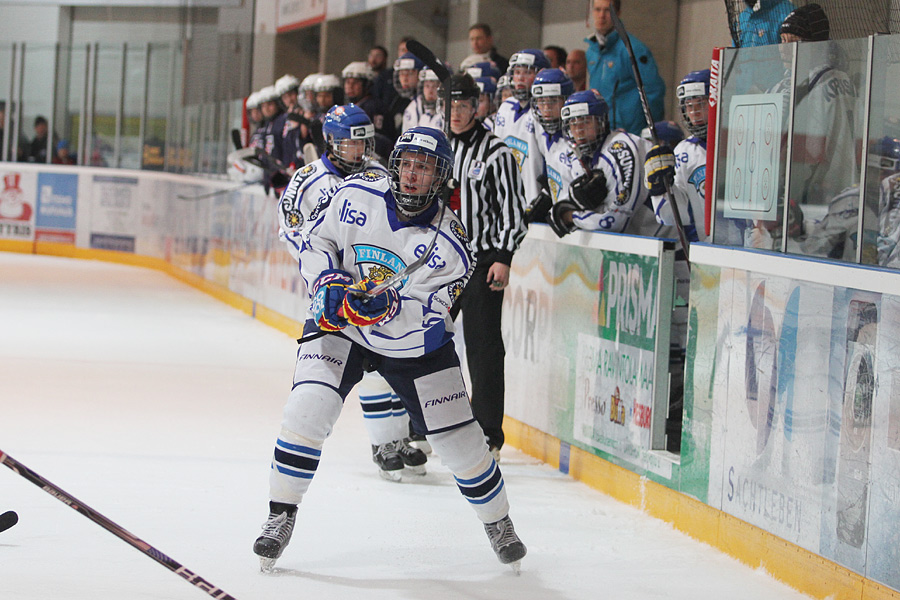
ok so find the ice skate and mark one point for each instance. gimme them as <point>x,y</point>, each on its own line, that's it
<point>276,534</point>
<point>413,459</point>
<point>506,544</point>
<point>389,461</point>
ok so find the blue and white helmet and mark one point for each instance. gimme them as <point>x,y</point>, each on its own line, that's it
<point>694,85</point>
<point>550,89</point>
<point>483,69</point>
<point>582,107</point>
<point>886,155</point>
<point>343,127</point>
<point>487,102</point>
<point>427,152</point>
<point>531,58</point>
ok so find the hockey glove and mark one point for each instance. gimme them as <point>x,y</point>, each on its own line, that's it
<point>556,217</point>
<point>362,310</point>
<point>328,297</point>
<point>659,166</point>
<point>536,211</point>
<point>589,191</point>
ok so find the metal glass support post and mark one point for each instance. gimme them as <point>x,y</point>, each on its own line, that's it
<point>92,101</point>
<point>142,127</point>
<point>82,119</point>
<point>7,114</point>
<point>51,118</point>
<point>167,147</point>
<point>789,150</point>
<point>18,101</point>
<point>665,295</point>
<point>120,109</point>
<point>864,172</point>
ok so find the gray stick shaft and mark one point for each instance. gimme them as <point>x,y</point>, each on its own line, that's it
<point>620,28</point>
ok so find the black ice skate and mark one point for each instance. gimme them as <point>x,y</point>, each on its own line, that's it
<point>276,534</point>
<point>389,461</point>
<point>506,544</point>
<point>413,459</point>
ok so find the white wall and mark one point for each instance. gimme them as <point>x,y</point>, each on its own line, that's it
<point>28,23</point>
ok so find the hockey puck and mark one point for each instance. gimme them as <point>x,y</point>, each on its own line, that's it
<point>8,519</point>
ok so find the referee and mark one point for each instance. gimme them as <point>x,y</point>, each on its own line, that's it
<point>490,203</point>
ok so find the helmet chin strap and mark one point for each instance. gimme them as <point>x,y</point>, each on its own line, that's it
<point>408,213</point>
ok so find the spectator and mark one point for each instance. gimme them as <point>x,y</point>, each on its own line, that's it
<point>37,150</point>
<point>383,85</point>
<point>490,206</point>
<point>62,156</point>
<point>481,41</point>
<point>557,56</point>
<point>576,69</point>
<point>609,65</point>
<point>758,23</point>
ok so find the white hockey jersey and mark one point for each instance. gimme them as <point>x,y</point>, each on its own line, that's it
<point>416,115</point>
<point>305,196</point>
<point>889,222</point>
<point>561,163</point>
<point>361,234</point>
<point>515,125</point>
<point>689,190</point>
<point>621,159</point>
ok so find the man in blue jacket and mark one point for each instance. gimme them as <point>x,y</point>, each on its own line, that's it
<point>610,72</point>
<point>758,23</point>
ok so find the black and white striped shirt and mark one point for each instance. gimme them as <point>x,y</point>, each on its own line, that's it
<point>491,196</point>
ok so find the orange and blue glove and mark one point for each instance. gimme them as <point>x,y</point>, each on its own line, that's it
<point>328,295</point>
<point>361,310</point>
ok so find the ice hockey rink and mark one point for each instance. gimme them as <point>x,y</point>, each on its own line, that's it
<point>158,405</point>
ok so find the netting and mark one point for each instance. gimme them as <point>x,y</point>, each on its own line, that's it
<point>756,22</point>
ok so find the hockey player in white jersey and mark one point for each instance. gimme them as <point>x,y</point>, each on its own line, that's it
<point>549,92</point>
<point>349,141</point>
<point>685,167</point>
<point>514,122</point>
<point>422,111</point>
<point>376,226</point>
<point>610,193</point>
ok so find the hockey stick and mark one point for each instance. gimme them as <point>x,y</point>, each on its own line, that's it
<point>8,519</point>
<point>217,192</point>
<point>620,28</point>
<point>113,528</point>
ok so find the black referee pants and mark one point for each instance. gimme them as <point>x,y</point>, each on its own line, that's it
<point>482,310</point>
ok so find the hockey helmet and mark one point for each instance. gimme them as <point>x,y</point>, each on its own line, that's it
<point>285,84</point>
<point>667,132</point>
<point>580,109</point>
<point>483,69</point>
<point>252,101</point>
<point>886,155</point>
<point>407,62</point>
<point>549,91</point>
<point>504,86</point>
<point>268,94</point>
<point>358,69</point>
<point>531,59</point>
<point>343,128</point>
<point>487,103</point>
<point>694,85</point>
<point>427,153</point>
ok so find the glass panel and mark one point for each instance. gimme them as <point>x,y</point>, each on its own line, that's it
<point>37,101</point>
<point>750,156</point>
<point>881,218</point>
<point>70,97</point>
<point>158,106</point>
<point>829,106</point>
<point>135,71</point>
<point>106,103</point>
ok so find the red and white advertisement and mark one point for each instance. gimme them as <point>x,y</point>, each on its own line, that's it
<point>17,200</point>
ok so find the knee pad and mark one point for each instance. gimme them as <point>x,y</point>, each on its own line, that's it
<point>311,412</point>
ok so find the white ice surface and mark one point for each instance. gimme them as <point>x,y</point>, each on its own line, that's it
<point>158,406</point>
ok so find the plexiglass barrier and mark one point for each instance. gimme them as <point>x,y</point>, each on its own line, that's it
<point>109,105</point>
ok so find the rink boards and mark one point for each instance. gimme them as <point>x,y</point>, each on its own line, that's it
<point>790,453</point>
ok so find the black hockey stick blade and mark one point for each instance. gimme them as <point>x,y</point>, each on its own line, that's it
<point>113,528</point>
<point>428,57</point>
<point>648,115</point>
<point>8,519</point>
<point>236,139</point>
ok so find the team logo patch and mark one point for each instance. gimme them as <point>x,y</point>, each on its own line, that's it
<point>322,204</point>
<point>307,170</point>
<point>377,263</point>
<point>293,219</point>
<point>624,158</point>
<point>455,289</point>
<point>476,171</point>
<point>459,232</point>
<point>368,176</point>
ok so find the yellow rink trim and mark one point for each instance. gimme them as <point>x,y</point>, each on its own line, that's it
<point>797,567</point>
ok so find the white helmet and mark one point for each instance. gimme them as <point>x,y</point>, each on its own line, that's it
<point>308,81</point>
<point>253,100</point>
<point>268,94</point>
<point>326,83</point>
<point>285,84</point>
<point>359,69</point>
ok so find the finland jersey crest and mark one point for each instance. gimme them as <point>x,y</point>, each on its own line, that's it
<point>377,263</point>
<point>519,149</point>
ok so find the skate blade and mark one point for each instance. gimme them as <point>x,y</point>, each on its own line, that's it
<point>267,565</point>
<point>417,470</point>
<point>394,476</point>
<point>516,566</point>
